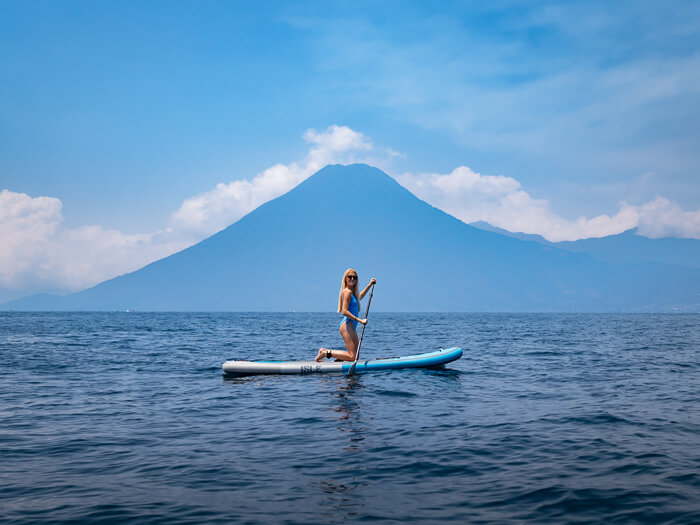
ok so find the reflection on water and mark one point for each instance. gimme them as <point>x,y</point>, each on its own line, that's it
<point>339,500</point>
<point>344,400</point>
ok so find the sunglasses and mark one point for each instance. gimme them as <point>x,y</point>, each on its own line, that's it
<point>353,277</point>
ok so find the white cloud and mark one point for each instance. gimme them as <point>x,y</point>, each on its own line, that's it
<point>37,252</point>
<point>333,146</point>
<point>82,257</point>
<point>502,202</point>
<point>209,212</point>
<point>663,218</point>
<point>25,225</point>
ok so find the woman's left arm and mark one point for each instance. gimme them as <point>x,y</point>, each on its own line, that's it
<point>364,292</point>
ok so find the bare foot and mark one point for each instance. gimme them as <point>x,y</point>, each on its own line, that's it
<point>321,355</point>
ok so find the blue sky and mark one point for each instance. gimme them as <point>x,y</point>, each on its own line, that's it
<point>119,113</point>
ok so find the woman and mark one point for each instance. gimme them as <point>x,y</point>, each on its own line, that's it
<point>349,306</point>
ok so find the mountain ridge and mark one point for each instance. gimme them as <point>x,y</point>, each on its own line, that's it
<point>289,254</point>
<point>625,247</point>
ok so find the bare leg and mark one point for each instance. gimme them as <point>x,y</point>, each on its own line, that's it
<point>351,343</point>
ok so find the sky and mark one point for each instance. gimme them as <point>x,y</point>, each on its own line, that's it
<point>130,130</point>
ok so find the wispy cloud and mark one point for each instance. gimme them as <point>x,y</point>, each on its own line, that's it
<point>603,92</point>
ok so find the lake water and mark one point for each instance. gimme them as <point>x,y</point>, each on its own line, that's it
<point>126,417</point>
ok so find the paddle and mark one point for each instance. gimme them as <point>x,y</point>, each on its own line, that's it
<point>357,357</point>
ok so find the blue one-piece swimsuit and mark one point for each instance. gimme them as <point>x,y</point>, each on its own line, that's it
<point>354,309</point>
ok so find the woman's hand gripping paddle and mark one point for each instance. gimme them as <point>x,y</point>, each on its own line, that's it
<point>357,357</point>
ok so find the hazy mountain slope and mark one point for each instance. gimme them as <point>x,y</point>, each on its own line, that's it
<point>482,225</point>
<point>631,247</point>
<point>625,247</point>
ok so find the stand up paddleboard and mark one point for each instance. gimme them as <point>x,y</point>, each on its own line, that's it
<point>429,360</point>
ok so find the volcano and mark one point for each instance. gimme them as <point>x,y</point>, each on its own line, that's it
<point>290,253</point>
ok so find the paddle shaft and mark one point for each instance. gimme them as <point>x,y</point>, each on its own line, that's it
<point>357,356</point>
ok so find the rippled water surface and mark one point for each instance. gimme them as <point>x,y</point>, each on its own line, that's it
<point>126,417</point>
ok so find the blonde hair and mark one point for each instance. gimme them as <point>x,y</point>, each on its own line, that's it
<point>354,291</point>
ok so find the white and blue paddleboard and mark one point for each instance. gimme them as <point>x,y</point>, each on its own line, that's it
<point>429,360</point>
